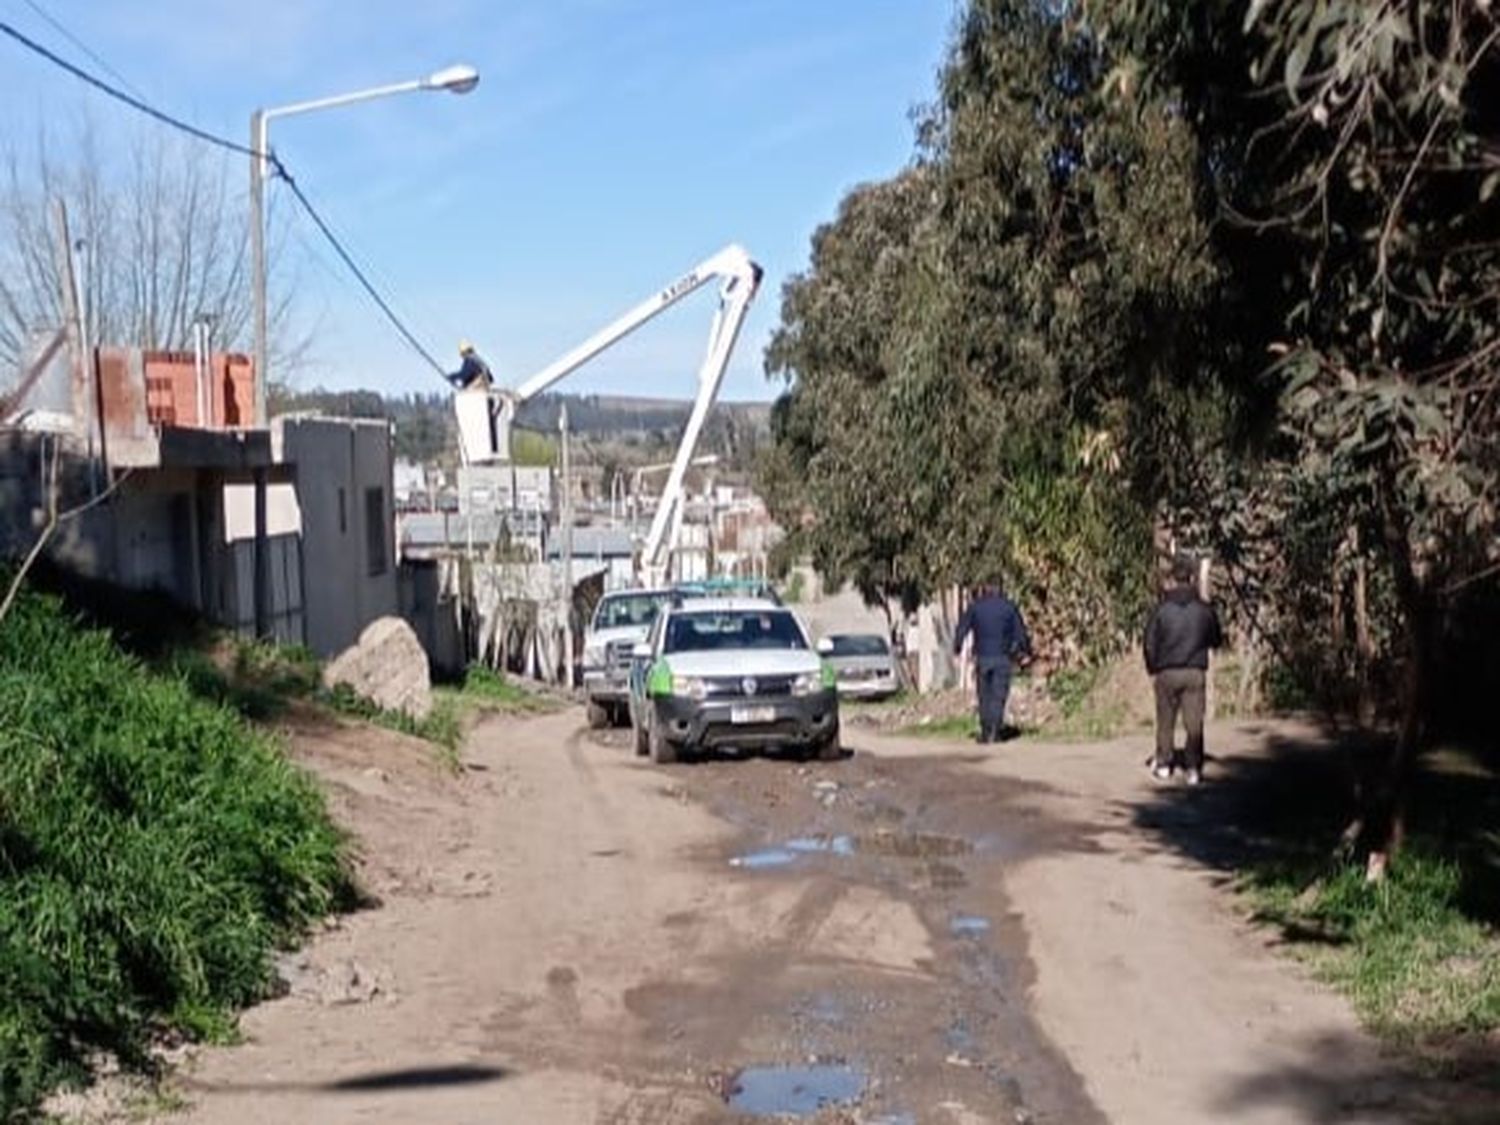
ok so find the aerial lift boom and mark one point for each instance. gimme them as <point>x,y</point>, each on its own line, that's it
<point>485,414</point>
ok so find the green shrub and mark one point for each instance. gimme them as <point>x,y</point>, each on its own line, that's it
<point>154,852</point>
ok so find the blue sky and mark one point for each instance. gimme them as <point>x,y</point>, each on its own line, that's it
<point>610,145</point>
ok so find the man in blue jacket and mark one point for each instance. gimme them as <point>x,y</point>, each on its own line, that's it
<point>1181,631</point>
<point>999,637</point>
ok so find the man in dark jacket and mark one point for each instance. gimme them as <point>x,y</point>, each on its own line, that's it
<point>999,637</point>
<point>474,372</point>
<point>1182,630</point>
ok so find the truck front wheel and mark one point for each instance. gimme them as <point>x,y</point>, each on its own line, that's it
<point>663,752</point>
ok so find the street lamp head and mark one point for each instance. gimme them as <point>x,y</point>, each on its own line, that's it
<point>459,79</point>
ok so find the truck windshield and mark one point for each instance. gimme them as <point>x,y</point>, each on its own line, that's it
<point>619,611</point>
<point>733,629</point>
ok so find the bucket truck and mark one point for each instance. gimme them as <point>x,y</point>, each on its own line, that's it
<point>485,414</point>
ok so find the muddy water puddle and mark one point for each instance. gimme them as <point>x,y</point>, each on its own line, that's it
<point>795,1091</point>
<point>893,845</point>
<point>869,855</point>
<point>968,925</point>
<point>790,851</point>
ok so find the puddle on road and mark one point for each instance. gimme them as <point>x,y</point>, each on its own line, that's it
<point>913,845</point>
<point>968,925</point>
<point>785,854</point>
<point>900,845</point>
<point>794,1091</point>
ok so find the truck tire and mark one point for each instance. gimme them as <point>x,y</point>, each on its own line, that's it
<point>829,750</point>
<point>662,751</point>
<point>598,715</point>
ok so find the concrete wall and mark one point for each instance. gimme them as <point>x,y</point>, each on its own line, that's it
<point>493,488</point>
<point>162,530</point>
<point>343,472</point>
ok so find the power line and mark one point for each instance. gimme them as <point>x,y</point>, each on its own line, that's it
<point>278,167</point>
<point>132,101</point>
<point>359,274</point>
<point>58,26</point>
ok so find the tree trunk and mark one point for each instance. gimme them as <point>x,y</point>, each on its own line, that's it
<point>1384,816</point>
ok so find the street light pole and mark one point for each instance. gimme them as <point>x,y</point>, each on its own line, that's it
<point>458,79</point>
<point>258,135</point>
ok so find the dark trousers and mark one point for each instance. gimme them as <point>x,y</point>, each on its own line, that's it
<point>993,675</point>
<point>1180,690</point>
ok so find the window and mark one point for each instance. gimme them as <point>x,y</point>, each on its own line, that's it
<point>733,629</point>
<point>619,610</point>
<point>375,545</point>
<point>859,644</point>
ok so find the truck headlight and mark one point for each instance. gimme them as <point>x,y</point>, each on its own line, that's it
<point>593,656</point>
<point>808,683</point>
<point>690,687</point>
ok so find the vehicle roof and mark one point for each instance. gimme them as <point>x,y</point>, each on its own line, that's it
<point>651,591</point>
<point>729,605</point>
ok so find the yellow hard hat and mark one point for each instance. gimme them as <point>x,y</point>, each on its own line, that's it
<point>464,347</point>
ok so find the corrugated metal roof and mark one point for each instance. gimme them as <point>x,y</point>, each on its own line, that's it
<point>594,542</point>
<point>445,529</point>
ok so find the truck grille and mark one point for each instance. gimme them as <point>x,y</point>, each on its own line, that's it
<point>739,687</point>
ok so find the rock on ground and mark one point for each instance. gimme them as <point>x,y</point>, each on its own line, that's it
<point>388,666</point>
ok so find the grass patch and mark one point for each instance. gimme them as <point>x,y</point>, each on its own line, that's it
<point>261,681</point>
<point>946,726</point>
<point>154,852</point>
<point>1417,968</point>
<point>485,688</point>
<point>443,725</point>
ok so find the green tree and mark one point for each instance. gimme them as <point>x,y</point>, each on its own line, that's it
<point>1351,154</point>
<point>976,355</point>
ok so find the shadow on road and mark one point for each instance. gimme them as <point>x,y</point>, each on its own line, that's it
<point>1290,803</point>
<point>417,1077</point>
<point>409,1078</point>
<point>1325,1088</point>
<point>1287,805</point>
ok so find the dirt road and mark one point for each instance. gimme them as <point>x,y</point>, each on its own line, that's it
<point>920,933</point>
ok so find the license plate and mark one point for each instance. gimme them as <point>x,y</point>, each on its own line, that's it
<point>746,715</point>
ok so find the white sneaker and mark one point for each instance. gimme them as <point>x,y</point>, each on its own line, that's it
<point>1162,773</point>
<point>1193,777</point>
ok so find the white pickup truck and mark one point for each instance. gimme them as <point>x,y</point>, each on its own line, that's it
<point>621,621</point>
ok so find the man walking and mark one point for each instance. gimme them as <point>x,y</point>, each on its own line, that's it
<point>999,637</point>
<point>1179,635</point>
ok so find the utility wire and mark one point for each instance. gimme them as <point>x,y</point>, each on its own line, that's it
<point>279,168</point>
<point>359,275</point>
<point>59,27</point>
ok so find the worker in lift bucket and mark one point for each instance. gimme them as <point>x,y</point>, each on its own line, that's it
<point>474,374</point>
<point>478,429</point>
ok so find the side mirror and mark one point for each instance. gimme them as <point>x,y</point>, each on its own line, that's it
<point>825,646</point>
<point>641,651</point>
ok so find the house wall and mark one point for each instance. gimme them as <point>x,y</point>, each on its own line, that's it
<point>343,470</point>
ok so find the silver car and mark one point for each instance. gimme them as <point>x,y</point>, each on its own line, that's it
<point>864,665</point>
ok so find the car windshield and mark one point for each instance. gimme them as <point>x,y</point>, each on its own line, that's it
<point>859,645</point>
<point>618,611</point>
<point>733,629</point>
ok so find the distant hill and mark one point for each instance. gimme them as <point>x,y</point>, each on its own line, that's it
<point>632,428</point>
